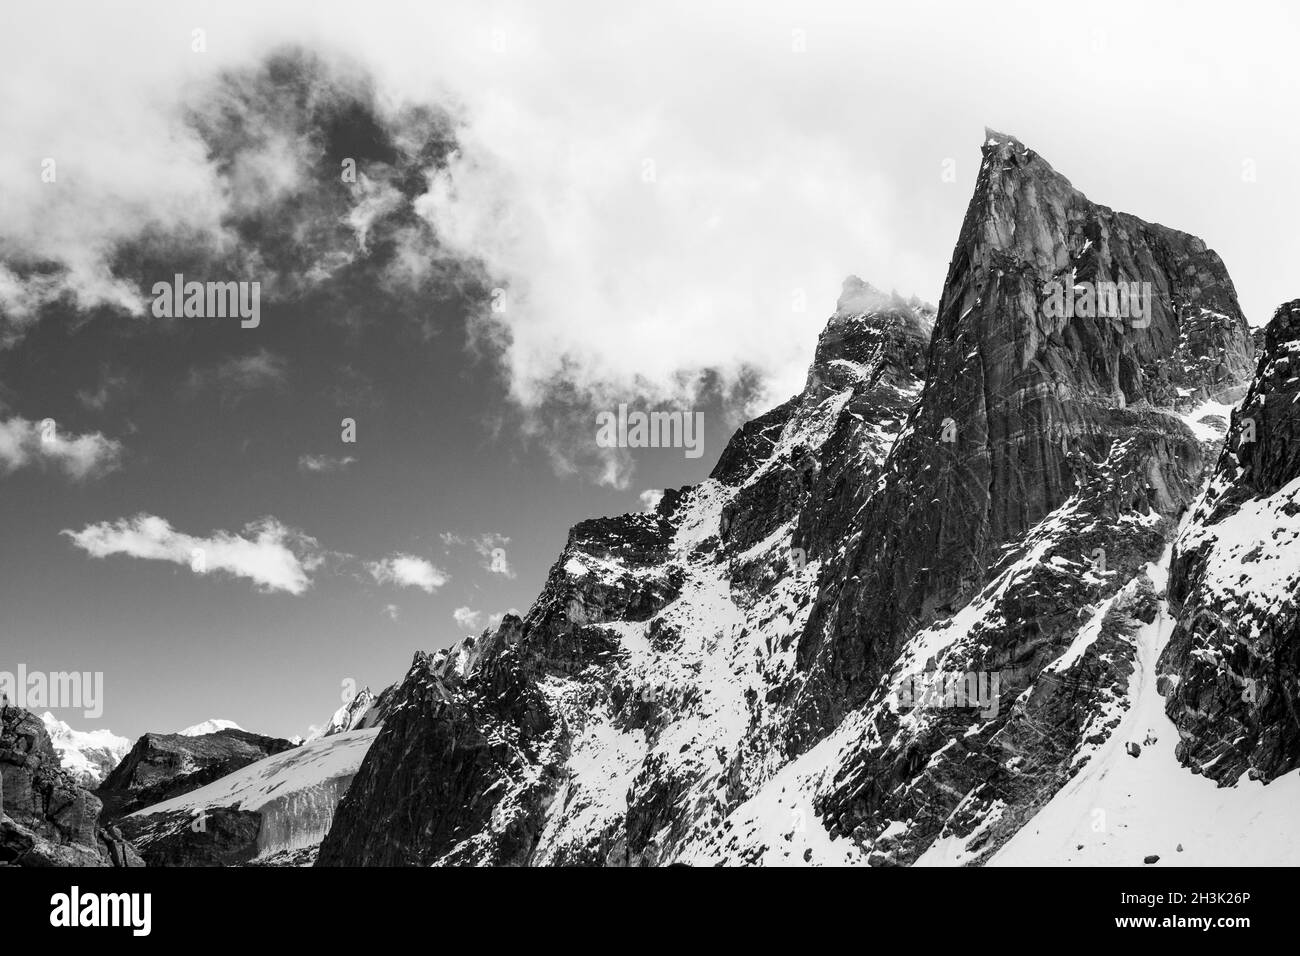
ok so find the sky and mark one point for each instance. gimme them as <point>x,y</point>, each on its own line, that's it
<point>474,226</point>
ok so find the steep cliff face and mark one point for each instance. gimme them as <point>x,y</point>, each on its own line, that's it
<point>1020,532</point>
<point>1020,404</point>
<point>1232,666</point>
<point>748,673</point>
<point>46,818</point>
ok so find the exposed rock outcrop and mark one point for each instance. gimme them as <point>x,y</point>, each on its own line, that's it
<point>46,818</point>
<point>1233,662</point>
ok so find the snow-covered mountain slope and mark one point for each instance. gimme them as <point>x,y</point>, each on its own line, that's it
<point>908,608</point>
<point>89,755</point>
<point>278,805</point>
<point>1134,800</point>
<point>209,727</point>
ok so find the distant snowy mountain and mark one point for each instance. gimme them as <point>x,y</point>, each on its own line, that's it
<point>209,727</point>
<point>88,755</point>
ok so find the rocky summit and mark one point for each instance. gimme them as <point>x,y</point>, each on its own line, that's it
<point>910,604</point>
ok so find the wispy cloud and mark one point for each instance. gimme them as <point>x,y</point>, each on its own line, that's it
<point>492,549</point>
<point>24,442</point>
<point>110,384</point>
<point>489,545</point>
<point>468,618</point>
<point>407,571</point>
<point>323,463</point>
<point>268,553</point>
<point>235,377</point>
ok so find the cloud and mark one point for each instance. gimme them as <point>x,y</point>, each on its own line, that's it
<point>391,611</point>
<point>652,202</point>
<point>271,555</point>
<point>491,548</point>
<point>23,442</point>
<point>468,619</point>
<point>650,498</point>
<point>450,539</point>
<point>223,166</point>
<point>323,463</point>
<point>110,383</point>
<point>235,377</point>
<point>407,571</point>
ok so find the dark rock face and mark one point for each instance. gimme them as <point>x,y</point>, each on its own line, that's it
<point>1061,477</point>
<point>984,508</point>
<point>162,766</point>
<point>220,836</point>
<point>47,819</point>
<point>449,746</point>
<point>1232,665</point>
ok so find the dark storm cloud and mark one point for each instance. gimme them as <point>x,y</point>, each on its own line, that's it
<point>298,179</point>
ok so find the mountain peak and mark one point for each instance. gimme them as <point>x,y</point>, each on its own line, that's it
<point>858,296</point>
<point>993,138</point>
<point>215,725</point>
